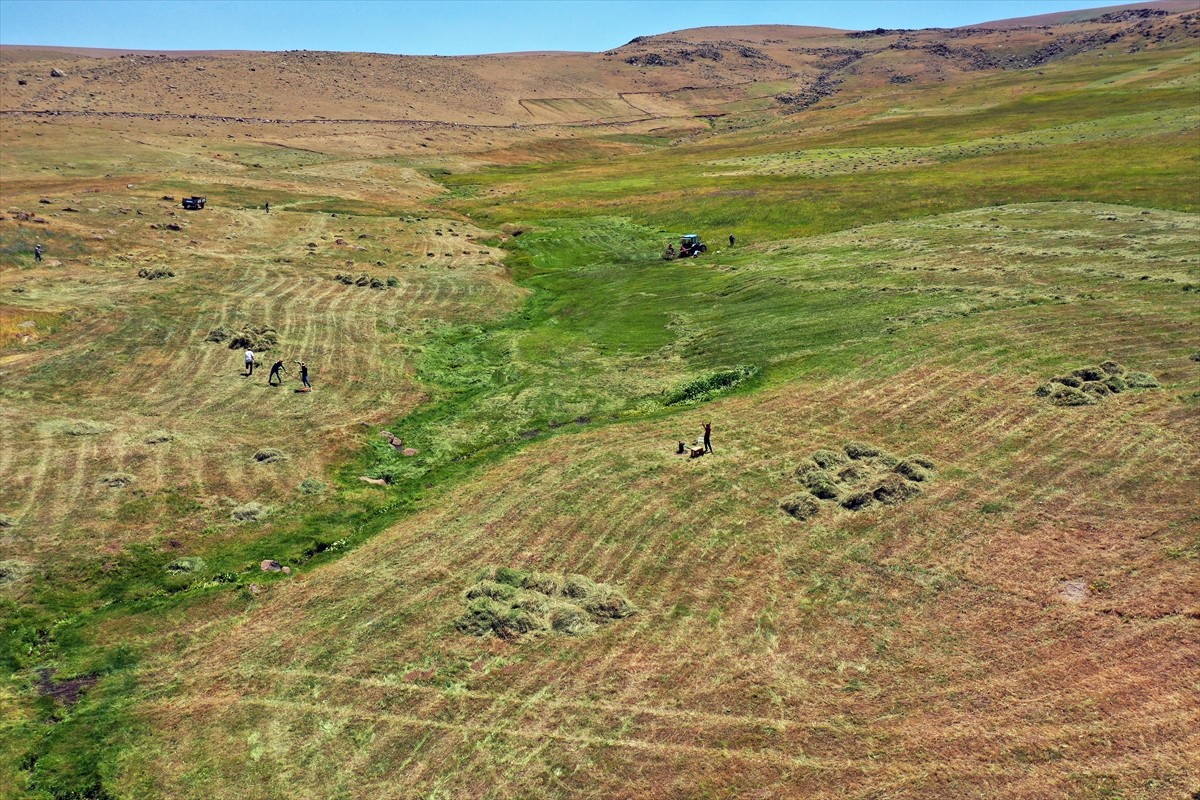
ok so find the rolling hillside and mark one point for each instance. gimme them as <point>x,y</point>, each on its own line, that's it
<point>946,544</point>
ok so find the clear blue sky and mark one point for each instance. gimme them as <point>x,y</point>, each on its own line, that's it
<point>457,27</point>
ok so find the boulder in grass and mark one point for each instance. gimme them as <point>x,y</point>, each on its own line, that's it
<point>271,565</point>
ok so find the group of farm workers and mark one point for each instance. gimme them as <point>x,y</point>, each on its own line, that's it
<point>277,370</point>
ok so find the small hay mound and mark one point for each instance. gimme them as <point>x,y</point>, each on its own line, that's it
<point>259,338</point>
<point>363,280</point>
<point>828,459</point>
<point>1142,380</point>
<point>800,506</point>
<point>249,512</point>
<point>268,455</point>
<point>578,586</point>
<point>116,480</point>
<point>1112,368</point>
<point>158,437</point>
<point>894,489</point>
<point>822,485</point>
<point>1067,380</point>
<point>533,602</point>
<point>1116,384</point>
<point>1087,374</point>
<point>887,461</point>
<point>804,470</point>
<point>922,461</point>
<point>156,273</point>
<point>217,335</point>
<point>378,283</point>
<point>1045,390</point>
<point>1070,396</point>
<point>547,584</point>
<point>490,589</point>
<point>311,486</point>
<point>857,450</point>
<point>851,473</point>
<point>570,620</point>
<point>912,471</point>
<point>1097,388</point>
<point>83,427</point>
<point>13,571</point>
<point>188,565</point>
<point>7,522</point>
<point>608,603</point>
<point>393,281</point>
<point>1195,356</point>
<point>857,501</point>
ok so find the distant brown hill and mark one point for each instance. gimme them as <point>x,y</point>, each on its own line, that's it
<point>681,74</point>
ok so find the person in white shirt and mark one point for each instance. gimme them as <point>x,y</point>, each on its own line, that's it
<point>249,362</point>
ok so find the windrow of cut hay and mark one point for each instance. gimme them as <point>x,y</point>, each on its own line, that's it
<point>1087,386</point>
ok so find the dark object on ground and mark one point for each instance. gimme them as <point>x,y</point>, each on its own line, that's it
<point>801,506</point>
<point>269,455</point>
<point>6,521</point>
<point>858,450</point>
<point>194,203</point>
<point>116,480</point>
<point>696,451</point>
<point>1195,356</point>
<point>155,273</point>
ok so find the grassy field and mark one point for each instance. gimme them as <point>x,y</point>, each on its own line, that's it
<point>913,261</point>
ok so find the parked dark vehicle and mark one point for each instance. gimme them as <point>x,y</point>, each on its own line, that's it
<point>193,203</point>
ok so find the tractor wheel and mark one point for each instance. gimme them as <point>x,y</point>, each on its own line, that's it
<point>703,248</point>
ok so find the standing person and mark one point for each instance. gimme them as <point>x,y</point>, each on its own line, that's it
<point>731,240</point>
<point>37,252</point>
<point>708,437</point>
<point>268,206</point>
<point>304,376</point>
<point>249,362</point>
<point>276,369</point>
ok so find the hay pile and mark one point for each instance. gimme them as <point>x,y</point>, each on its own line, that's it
<point>365,280</point>
<point>84,427</point>
<point>509,603</point>
<point>259,338</point>
<point>1087,386</point>
<point>158,437</point>
<point>268,455</point>
<point>116,480</point>
<point>155,273</point>
<point>311,486</point>
<point>248,512</point>
<point>856,477</point>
